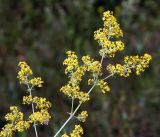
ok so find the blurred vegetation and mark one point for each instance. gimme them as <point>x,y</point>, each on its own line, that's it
<point>40,31</point>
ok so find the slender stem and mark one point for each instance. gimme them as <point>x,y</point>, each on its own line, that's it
<point>35,127</point>
<point>108,76</point>
<point>91,88</point>
<point>70,117</point>
<point>33,110</point>
<point>102,58</point>
<point>114,73</point>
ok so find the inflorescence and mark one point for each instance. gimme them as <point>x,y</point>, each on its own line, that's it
<point>108,39</point>
<point>110,43</point>
<point>40,106</point>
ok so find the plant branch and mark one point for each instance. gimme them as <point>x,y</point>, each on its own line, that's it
<point>108,76</point>
<point>33,110</point>
<point>74,112</point>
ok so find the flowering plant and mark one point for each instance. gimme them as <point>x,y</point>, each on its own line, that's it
<point>109,42</point>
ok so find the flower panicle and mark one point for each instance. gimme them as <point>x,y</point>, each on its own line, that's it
<point>42,114</point>
<point>25,76</point>
<point>111,30</point>
<point>16,123</point>
<point>82,116</point>
<point>135,63</point>
<point>109,41</point>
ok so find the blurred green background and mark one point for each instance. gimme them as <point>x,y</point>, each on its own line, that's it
<point>41,31</point>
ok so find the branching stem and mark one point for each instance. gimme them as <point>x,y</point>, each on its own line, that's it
<point>33,110</point>
<point>72,115</point>
<point>73,112</point>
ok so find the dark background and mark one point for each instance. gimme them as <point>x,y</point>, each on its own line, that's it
<point>41,31</point>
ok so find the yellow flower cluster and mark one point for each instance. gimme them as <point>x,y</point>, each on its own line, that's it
<point>15,115</point>
<point>76,72</point>
<point>69,90</point>
<point>24,76</point>
<point>71,62</point>
<point>103,86</point>
<point>92,65</point>
<point>91,81</point>
<point>77,132</point>
<point>43,105</point>
<point>76,76</point>
<point>22,125</point>
<point>41,117</point>
<point>109,49</point>
<point>37,82</point>
<point>82,116</point>
<point>122,70</point>
<point>73,91</point>
<point>137,63</point>
<point>110,23</point>
<point>24,72</point>
<point>16,123</point>
<point>112,30</point>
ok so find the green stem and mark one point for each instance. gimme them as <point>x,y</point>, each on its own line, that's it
<point>33,110</point>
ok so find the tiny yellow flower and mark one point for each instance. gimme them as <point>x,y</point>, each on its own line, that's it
<point>77,132</point>
<point>36,82</point>
<point>82,116</point>
<point>103,86</point>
